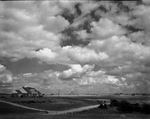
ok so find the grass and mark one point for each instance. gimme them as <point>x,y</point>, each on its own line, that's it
<point>90,114</point>
<point>62,103</point>
<point>10,109</point>
<point>53,103</point>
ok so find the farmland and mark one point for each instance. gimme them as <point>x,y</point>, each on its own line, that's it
<point>55,103</point>
<point>10,109</point>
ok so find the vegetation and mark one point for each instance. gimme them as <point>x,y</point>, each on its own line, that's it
<point>126,107</point>
<point>118,109</point>
<point>52,103</point>
<point>10,109</point>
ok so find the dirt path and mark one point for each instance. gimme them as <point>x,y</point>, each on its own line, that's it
<point>80,109</point>
<point>48,112</point>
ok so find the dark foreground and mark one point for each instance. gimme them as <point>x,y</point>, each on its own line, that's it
<point>90,114</point>
<point>63,103</point>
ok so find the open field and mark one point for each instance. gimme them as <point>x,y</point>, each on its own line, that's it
<point>59,103</point>
<point>64,103</point>
<point>89,114</point>
<point>53,103</point>
<point>10,109</point>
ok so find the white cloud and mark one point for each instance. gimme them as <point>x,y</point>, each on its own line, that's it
<point>84,55</point>
<point>27,74</point>
<point>22,31</point>
<point>88,6</point>
<point>97,77</point>
<point>5,75</point>
<point>2,68</point>
<point>143,19</point>
<point>45,54</point>
<point>76,71</point>
<point>56,24</point>
<point>67,4</point>
<point>76,68</point>
<point>121,50</point>
<point>32,29</point>
<point>82,34</point>
<point>105,28</point>
<point>146,1</point>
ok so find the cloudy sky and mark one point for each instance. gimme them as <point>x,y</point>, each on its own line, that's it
<point>81,46</point>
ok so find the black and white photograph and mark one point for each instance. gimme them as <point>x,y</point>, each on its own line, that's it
<point>75,59</point>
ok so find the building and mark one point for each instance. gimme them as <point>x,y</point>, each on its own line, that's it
<point>22,92</point>
<point>15,94</point>
<point>32,92</point>
<point>26,92</point>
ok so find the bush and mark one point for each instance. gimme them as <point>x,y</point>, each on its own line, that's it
<point>136,107</point>
<point>103,105</point>
<point>145,108</point>
<point>114,103</point>
<point>125,107</point>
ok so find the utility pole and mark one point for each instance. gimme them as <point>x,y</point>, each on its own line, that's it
<point>58,92</point>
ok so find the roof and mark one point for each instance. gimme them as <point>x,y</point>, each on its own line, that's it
<point>14,91</point>
<point>23,91</point>
<point>31,90</point>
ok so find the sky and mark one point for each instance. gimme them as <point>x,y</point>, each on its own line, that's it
<point>84,46</point>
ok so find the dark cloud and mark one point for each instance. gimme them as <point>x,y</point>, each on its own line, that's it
<point>72,39</point>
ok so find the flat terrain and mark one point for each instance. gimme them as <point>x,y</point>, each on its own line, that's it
<point>53,103</point>
<point>89,114</point>
<point>10,109</point>
<point>65,103</point>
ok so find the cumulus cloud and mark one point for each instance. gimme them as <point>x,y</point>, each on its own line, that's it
<point>44,54</point>
<point>55,24</point>
<point>84,55</point>
<point>82,34</point>
<point>105,28</point>
<point>101,79</point>
<point>146,1</point>
<point>47,82</point>
<point>121,48</point>
<point>118,43</point>
<point>23,30</point>
<point>87,7</point>
<point>142,13</point>
<point>76,70</point>
<point>5,75</point>
<point>6,79</point>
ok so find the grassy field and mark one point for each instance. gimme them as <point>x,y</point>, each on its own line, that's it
<point>52,103</point>
<point>90,114</point>
<point>62,103</point>
<point>9,109</point>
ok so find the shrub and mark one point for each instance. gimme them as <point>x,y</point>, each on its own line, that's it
<point>145,108</point>
<point>136,107</point>
<point>103,105</point>
<point>114,102</point>
<point>125,107</point>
